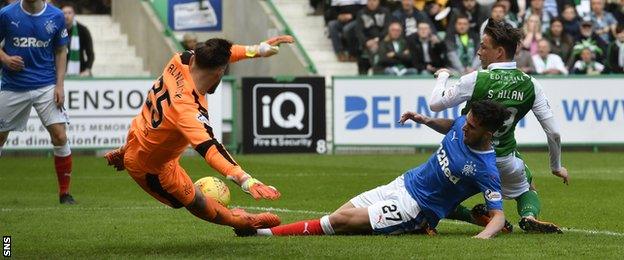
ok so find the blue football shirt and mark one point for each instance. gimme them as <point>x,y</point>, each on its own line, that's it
<point>34,37</point>
<point>452,174</point>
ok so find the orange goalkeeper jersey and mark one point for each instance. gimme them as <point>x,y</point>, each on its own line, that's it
<point>176,115</point>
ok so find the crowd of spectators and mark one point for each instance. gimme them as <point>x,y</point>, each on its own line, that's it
<point>399,37</point>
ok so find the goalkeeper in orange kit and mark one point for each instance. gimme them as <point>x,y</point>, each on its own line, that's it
<point>175,115</point>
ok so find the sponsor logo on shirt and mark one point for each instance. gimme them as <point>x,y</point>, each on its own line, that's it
<point>444,164</point>
<point>203,119</point>
<point>493,195</point>
<point>64,33</point>
<point>29,42</point>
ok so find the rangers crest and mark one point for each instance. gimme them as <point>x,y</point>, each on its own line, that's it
<point>50,27</point>
<point>469,168</point>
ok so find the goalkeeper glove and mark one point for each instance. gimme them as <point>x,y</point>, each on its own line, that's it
<point>269,47</point>
<point>256,188</point>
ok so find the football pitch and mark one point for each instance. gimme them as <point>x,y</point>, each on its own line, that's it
<point>116,219</point>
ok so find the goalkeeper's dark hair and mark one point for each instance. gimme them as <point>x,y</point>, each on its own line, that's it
<point>490,114</point>
<point>504,35</point>
<point>213,53</point>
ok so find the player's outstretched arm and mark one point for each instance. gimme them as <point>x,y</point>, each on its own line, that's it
<point>443,97</point>
<point>544,115</point>
<point>440,125</point>
<point>193,124</point>
<point>266,48</point>
<point>220,160</point>
<point>496,224</point>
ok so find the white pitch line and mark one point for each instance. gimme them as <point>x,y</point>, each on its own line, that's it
<point>283,210</point>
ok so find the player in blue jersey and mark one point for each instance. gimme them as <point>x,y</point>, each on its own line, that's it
<point>34,59</point>
<point>464,165</point>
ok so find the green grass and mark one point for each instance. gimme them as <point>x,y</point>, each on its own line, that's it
<point>115,218</point>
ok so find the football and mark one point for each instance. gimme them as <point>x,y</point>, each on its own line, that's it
<point>215,188</point>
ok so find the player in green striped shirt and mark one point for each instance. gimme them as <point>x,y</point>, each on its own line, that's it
<point>501,81</point>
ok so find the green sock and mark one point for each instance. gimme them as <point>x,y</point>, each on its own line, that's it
<point>528,204</point>
<point>461,213</point>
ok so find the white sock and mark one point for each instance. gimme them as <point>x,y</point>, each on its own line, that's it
<point>326,226</point>
<point>264,232</point>
<point>62,151</point>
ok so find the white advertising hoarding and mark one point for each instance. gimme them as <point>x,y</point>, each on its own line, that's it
<point>366,111</point>
<point>100,113</point>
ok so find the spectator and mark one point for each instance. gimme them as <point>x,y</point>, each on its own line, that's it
<point>428,52</point>
<point>341,25</point>
<point>474,12</point>
<point>537,8</point>
<point>547,63</point>
<point>587,34</point>
<point>80,57</point>
<point>582,7</point>
<point>604,22</point>
<point>524,62</point>
<point>462,47</point>
<point>551,7</point>
<point>316,7</point>
<point>571,21</point>
<point>394,58</point>
<point>392,5</point>
<point>510,15</point>
<point>615,53</point>
<point>560,42</point>
<point>410,17</point>
<point>587,63</point>
<point>532,34</point>
<point>372,25</point>
<point>617,9</point>
<point>438,15</point>
<point>498,14</point>
<point>189,41</point>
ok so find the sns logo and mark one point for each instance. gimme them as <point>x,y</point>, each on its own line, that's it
<point>6,246</point>
<point>293,120</point>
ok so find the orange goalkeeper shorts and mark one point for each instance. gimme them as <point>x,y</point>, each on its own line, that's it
<point>168,183</point>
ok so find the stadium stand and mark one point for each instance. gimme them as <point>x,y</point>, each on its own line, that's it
<point>310,32</point>
<point>115,56</point>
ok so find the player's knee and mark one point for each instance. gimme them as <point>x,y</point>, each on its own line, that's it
<point>199,202</point>
<point>200,206</point>
<point>59,138</point>
<point>339,222</point>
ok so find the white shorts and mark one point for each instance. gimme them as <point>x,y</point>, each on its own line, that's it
<point>15,108</point>
<point>391,209</point>
<point>513,177</point>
